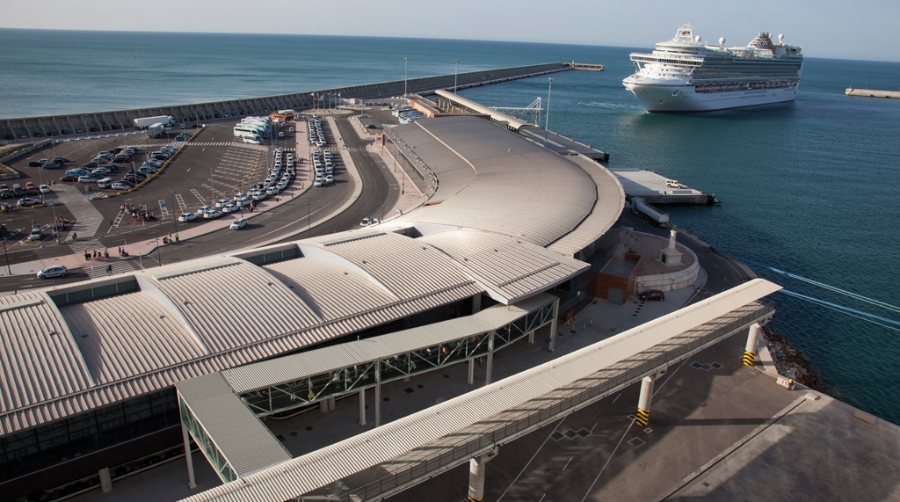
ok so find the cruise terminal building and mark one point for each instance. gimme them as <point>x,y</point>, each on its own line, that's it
<point>496,253</point>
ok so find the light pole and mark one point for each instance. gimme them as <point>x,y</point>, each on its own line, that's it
<point>455,73</point>
<point>547,124</point>
<point>308,227</point>
<point>174,218</point>
<point>405,68</point>
<point>158,258</point>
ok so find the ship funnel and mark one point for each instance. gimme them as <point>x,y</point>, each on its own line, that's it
<point>780,38</point>
<point>722,41</point>
<point>697,39</point>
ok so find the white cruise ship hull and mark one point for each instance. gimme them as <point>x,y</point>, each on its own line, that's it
<point>684,98</point>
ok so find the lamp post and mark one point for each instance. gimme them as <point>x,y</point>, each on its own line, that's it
<point>158,258</point>
<point>405,68</point>
<point>174,218</point>
<point>547,124</point>
<point>455,73</point>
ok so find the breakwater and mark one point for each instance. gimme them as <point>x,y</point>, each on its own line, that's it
<point>872,93</point>
<point>121,120</point>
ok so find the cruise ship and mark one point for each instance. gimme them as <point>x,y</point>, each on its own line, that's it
<point>686,75</point>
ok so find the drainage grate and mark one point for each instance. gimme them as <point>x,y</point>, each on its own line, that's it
<point>716,365</point>
<point>408,391</point>
<point>557,436</point>
<point>648,430</point>
<point>631,417</point>
<point>637,442</point>
<point>584,433</point>
<point>570,434</point>
<point>697,365</point>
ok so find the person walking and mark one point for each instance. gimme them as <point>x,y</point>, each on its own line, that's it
<point>109,270</point>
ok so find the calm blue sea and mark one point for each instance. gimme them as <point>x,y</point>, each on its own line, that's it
<point>809,187</point>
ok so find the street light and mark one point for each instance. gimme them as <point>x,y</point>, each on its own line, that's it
<point>455,73</point>
<point>174,218</point>
<point>158,258</point>
<point>405,68</point>
<point>547,124</point>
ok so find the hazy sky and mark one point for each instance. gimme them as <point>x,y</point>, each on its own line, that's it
<point>824,28</point>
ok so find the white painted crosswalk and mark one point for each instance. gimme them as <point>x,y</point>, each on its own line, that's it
<point>99,269</point>
<point>238,144</point>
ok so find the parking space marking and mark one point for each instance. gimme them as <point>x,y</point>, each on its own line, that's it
<point>180,200</point>
<point>201,198</point>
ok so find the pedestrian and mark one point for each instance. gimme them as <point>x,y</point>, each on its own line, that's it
<point>108,269</point>
<point>87,256</point>
<point>176,236</point>
<point>106,253</point>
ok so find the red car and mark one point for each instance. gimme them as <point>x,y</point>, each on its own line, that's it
<point>652,295</point>
<point>69,178</point>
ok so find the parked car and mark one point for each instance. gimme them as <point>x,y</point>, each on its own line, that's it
<point>53,271</point>
<point>45,189</point>
<point>652,295</point>
<point>37,163</point>
<point>70,177</point>
<point>87,179</point>
<point>239,223</point>
<point>27,201</point>
<point>186,217</point>
<point>211,215</point>
<point>230,208</point>
<point>121,186</point>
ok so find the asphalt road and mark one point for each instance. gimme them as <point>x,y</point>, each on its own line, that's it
<point>288,220</point>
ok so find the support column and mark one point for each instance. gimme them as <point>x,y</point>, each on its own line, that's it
<point>477,471</point>
<point>476,303</point>
<point>531,337</point>
<point>362,407</point>
<point>378,393</point>
<point>471,379</point>
<point>551,345</point>
<point>105,480</point>
<point>187,456</point>
<point>643,411</point>
<point>490,359</point>
<point>331,403</point>
<point>750,349</point>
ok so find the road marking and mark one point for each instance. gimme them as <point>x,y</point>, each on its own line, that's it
<point>617,397</point>
<point>567,463</point>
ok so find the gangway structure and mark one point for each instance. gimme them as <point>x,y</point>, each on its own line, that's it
<point>531,112</point>
<point>474,427</point>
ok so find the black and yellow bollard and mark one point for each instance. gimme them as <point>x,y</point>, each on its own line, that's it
<point>642,418</point>
<point>750,349</point>
<point>748,358</point>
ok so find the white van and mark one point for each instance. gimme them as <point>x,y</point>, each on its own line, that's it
<point>105,183</point>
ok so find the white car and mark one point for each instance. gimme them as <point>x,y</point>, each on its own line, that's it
<point>318,181</point>
<point>222,203</point>
<point>204,209</point>
<point>230,208</point>
<point>273,191</point>
<point>259,196</point>
<point>53,271</point>
<point>329,179</point>
<point>186,217</point>
<point>120,186</point>
<point>211,215</point>
<point>280,186</point>
<point>239,224</point>
<point>45,189</point>
<point>243,202</point>
<point>238,196</point>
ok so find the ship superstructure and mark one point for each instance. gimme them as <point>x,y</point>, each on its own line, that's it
<point>684,74</point>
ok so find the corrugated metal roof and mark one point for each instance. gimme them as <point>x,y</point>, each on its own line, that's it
<point>607,209</point>
<point>316,362</point>
<point>514,268</point>
<point>331,290</point>
<point>244,441</point>
<point>40,359</point>
<point>227,308</point>
<point>129,335</point>
<point>521,189</point>
<point>311,471</point>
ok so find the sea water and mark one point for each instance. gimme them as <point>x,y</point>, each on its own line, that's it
<point>809,187</point>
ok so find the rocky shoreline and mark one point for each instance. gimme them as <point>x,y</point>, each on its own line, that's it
<point>790,362</point>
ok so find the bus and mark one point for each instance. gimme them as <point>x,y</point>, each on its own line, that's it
<point>243,130</point>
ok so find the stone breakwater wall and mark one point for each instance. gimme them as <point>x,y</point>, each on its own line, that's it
<point>24,129</point>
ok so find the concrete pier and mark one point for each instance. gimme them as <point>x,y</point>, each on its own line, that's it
<point>872,93</point>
